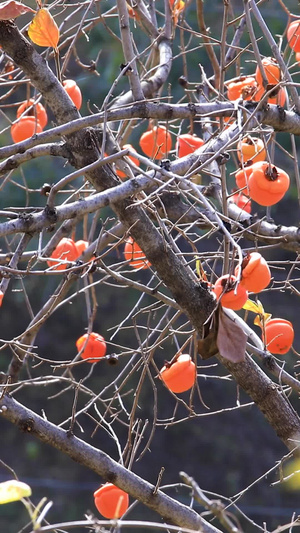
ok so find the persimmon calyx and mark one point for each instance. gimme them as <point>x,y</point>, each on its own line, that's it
<point>271,173</point>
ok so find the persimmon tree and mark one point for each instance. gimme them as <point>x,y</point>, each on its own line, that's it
<point>143,204</point>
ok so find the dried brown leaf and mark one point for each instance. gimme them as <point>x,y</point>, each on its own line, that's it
<point>231,339</point>
<point>12,9</point>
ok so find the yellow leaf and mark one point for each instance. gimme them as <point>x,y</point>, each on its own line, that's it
<point>251,306</point>
<point>199,269</point>
<point>292,472</point>
<point>13,490</point>
<point>43,29</point>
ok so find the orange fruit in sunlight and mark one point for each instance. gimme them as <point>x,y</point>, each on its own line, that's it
<point>267,184</point>
<point>242,201</point>
<point>111,501</point>
<point>244,87</point>
<point>156,142</point>
<point>74,92</point>
<point>234,297</point>
<point>242,176</point>
<point>37,110</point>
<point>135,255</point>
<point>272,71</point>
<point>65,251</point>
<point>293,35</point>
<point>187,144</point>
<point>251,148</point>
<point>180,376</point>
<point>278,335</point>
<point>94,347</point>
<point>256,274</point>
<point>278,99</point>
<point>25,128</point>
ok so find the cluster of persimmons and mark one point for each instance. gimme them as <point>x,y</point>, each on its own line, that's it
<point>257,180</point>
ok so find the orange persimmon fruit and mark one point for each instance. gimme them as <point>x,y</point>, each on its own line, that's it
<point>37,110</point>
<point>242,176</point>
<point>293,35</point>
<point>74,92</point>
<point>267,184</point>
<point>179,376</point>
<point>111,501</point>
<point>25,128</point>
<point>235,296</point>
<point>134,160</point>
<point>135,255</point>
<point>156,142</point>
<point>244,87</point>
<point>272,71</point>
<point>278,335</point>
<point>242,201</point>
<point>187,144</point>
<point>1,297</point>
<point>256,274</point>
<point>278,99</point>
<point>65,251</point>
<point>251,148</point>
<point>93,345</point>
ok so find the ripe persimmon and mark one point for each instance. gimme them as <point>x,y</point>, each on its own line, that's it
<point>65,251</point>
<point>180,375</point>
<point>81,246</point>
<point>135,255</point>
<point>256,274</point>
<point>278,335</point>
<point>251,148</point>
<point>267,184</point>
<point>111,501</point>
<point>234,297</point>
<point>242,201</point>
<point>74,92</point>
<point>94,347</point>
<point>37,110</point>
<point>272,71</point>
<point>156,142</point>
<point>134,160</point>
<point>187,144</point>
<point>25,128</point>
<point>244,87</point>
<point>1,297</point>
<point>293,35</point>
<point>242,176</point>
<point>278,99</point>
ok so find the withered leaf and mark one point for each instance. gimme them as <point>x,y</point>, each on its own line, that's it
<point>207,347</point>
<point>231,339</point>
<point>12,9</point>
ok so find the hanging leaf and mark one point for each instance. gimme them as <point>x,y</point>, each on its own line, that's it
<point>200,271</point>
<point>11,10</point>
<point>13,490</point>
<point>207,347</point>
<point>251,306</point>
<point>231,339</point>
<point>43,29</point>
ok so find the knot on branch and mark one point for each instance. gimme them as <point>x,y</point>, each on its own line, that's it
<point>50,213</point>
<point>26,425</point>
